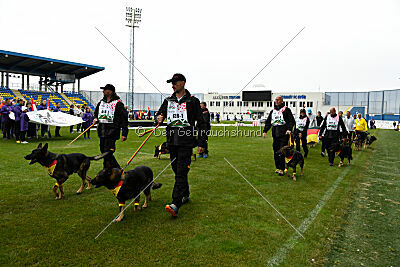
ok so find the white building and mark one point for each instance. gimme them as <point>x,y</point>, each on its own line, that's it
<point>230,105</point>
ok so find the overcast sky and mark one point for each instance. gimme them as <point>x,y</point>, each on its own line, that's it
<point>218,45</point>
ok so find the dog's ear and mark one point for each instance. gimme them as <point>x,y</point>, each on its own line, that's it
<point>46,146</point>
<point>39,146</point>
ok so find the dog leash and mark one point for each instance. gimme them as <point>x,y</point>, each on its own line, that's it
<point>151,131</point>
<point>81,134</point>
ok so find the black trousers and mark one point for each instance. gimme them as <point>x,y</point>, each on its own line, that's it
<point>328,144</point>
<point>12,123</point>
<point>278,143</point>
<point>22,135</point>
<point>323,145</point>
<point>303,140</point>
<point>84,127</point>
<point>57,132</point>
<point>181,167</point>
<point>31,129</point>
<point>45,129</point>
<point>7,129</point>
<point>108,144</point>
<point>71,128</point>
<point>17,130</point>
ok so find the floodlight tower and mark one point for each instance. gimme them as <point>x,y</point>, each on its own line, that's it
<point>133,18</point>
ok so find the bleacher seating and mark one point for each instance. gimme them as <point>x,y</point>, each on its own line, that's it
<point>79,99</point>
<point>6,93</point>
<point>53,98</point>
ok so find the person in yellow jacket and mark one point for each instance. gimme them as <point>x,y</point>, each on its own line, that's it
<point>361,127</point>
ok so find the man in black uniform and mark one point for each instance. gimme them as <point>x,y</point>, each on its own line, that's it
<point>282,121</point>
<point>111,115</point>
<point>300,133</point>
<point>207,119</point>
<point>331,125</point>
<point>181,110</point>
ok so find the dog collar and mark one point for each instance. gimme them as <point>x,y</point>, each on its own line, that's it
<point>288,159</point>
<point>117,188</point>
<point>51,167</point>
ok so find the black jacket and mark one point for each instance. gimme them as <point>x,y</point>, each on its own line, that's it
<point>280,130</point>
<point>304,132</point>
<point>319,119</point>
<point>186,136</point>
<point>112,130</point>
<point>332,134</point>
<point>206,117</point>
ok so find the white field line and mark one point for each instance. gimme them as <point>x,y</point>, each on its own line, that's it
<point>281,254</point>
<point>266,200</point>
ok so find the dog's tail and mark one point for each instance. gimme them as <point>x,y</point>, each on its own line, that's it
<point>156,185</point>
<point>99,156</point>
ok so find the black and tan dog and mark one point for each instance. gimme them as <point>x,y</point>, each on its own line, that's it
<point>370,139</point>
<point>292,158</point>
<point>163,149</point>
<point>127,185</point>
<point>343,150</point>
<point>61,166</point>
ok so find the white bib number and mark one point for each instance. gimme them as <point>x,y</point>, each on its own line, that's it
<point>332,123</point>
<point>177,115</point>
<point>277,117</point>
<point>106,111</point>
<point>301,123</point>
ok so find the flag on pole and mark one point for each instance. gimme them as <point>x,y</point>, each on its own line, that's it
<point>249,112</point>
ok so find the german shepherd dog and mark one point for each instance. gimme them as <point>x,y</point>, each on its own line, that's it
<point>127,185</point>
<point>163,149</point>
<point>292,158</point>
<point>61,166</point>
<point>343,150</point>
<point>370,139</point>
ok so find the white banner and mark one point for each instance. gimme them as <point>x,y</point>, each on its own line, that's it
<point>51,118</point>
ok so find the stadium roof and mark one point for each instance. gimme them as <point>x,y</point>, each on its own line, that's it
<point>41,66</point>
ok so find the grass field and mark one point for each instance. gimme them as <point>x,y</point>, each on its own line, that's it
<point>349,215</point>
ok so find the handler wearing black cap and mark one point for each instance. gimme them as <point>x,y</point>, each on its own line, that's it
<point>111,115</point>
<point>282,121</point>
<point>181,110</point>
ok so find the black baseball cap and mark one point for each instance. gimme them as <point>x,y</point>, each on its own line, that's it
<point>108,87</point>
<point>176,78</point>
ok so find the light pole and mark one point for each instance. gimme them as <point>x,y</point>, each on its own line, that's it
<point>133,18</point>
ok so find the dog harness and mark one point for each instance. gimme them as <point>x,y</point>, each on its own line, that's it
<point>159,148</point>
<point>115,192</point>
<point>51,167</point>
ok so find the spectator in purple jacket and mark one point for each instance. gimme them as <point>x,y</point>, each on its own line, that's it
<point>88,120</point>
<point>5,119</point>
<point>57,109</point>
<point>17,115</point>
<point>31,126</point>
<point>24,122</point>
